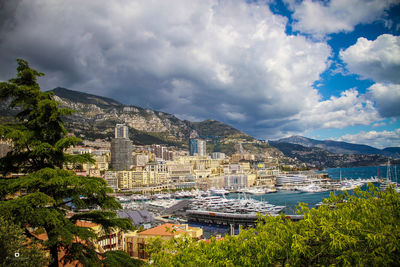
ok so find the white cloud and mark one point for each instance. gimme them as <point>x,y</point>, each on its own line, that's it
<point>378,60</point>
<point>379,124</point>
<point>324,17</point>
<point>338,112</point>
<point>373,138</point>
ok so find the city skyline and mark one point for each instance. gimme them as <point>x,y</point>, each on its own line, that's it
<point>325,70</point>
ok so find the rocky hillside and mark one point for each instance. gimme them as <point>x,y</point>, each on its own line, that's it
<point>96,117</point>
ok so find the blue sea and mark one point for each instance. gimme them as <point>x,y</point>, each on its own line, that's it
<point>291,199</point>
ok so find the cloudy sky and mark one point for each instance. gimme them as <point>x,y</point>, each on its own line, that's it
<point>322,69</point>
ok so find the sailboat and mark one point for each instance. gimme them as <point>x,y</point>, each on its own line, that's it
<point>388,181</point>
<point>346,184</point>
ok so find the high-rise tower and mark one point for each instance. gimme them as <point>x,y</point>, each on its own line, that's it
<point>121,131</point>
<point>197,146</point>
<point>121,149</point>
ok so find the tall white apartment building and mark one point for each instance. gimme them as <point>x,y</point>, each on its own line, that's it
<point>201,147</point>
<point>121,131</point>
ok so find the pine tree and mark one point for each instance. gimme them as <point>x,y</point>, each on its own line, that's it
<point>45,193</point>
<point>14,248</point>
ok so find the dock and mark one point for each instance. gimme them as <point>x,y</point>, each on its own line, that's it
<point>222,218</point>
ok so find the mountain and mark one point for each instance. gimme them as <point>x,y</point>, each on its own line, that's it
<point>96,116</point>
<point>395,151</point>
<point>75,96</point>
<point>341,147</point>
<point>322,158</point>
<point>215,128</point>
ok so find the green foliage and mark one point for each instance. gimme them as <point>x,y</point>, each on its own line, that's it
<point>212,127</point>
<point>39,139</point>
<point>13,240</point>
<point>118,259</point>
<point>42,198</point>
<point>360,229</point>
<point>228,148</point>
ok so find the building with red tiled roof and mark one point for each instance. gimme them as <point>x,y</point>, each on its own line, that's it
<point>135,243</point>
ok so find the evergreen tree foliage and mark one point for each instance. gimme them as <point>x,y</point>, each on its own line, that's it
<point>15,251</point>
<point>39,140</point>
<point>45,194</point>
<point>349,230</point>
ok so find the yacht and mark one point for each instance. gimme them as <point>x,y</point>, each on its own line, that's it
<point>311,188</point>
<point>253,191</point>
<point>214,191</point>
<point>243,206</point>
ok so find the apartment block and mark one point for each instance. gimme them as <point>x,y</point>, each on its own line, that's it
<point>121,154</point>
<point>136,179</point>
<point>140,160</point>
<point>218,155</point>
<point>236,181</point>
<point>197,147</point>
<point>135,242</point>
<point>111,179</point>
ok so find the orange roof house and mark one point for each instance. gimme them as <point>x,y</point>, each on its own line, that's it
<point>135,243</point>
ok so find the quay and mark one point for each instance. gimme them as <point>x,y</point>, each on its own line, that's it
<point>222,218</point>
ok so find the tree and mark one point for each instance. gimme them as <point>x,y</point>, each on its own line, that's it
<point>360,229</point>
<point>47,193</point>
<point>14,248</point>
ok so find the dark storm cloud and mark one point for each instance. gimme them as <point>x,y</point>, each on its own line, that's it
<point>226,60</point>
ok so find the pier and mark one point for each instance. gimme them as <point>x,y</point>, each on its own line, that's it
<point>221,218</point>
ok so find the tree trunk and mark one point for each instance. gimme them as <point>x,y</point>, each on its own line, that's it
<point>54,256</point>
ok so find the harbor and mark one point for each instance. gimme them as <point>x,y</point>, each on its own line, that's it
<point>221,211</point>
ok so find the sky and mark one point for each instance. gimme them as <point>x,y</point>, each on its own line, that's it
<point>322,69</point>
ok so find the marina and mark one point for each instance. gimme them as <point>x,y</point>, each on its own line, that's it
<point>218,209</point>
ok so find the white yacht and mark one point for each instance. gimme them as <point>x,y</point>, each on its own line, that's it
<point>221,192</point>
<point>311,188</point>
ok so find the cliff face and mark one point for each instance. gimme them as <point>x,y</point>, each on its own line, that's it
<point>96,117</point>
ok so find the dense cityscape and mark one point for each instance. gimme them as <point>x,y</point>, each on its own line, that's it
<point>159,186</point>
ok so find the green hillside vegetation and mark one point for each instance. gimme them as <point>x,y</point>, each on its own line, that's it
<point>349,230</point>
<point>143,138</point>
<point>216,128</point>
<point>228,148</point>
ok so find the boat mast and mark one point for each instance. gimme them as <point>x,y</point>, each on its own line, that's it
<point>388,178</point>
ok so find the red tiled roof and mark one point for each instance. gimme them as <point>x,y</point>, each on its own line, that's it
<point>164,230</point>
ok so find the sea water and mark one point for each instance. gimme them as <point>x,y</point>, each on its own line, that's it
<point>291,199</point>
